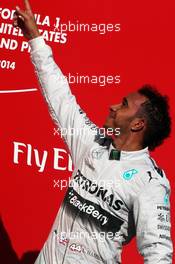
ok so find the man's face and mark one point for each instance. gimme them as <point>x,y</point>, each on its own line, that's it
<point>121,115</point>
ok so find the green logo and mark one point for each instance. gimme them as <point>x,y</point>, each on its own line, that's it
<point>166,199</point>
<point>127,175</point>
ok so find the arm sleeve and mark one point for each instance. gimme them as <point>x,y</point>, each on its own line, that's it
<point>75,127</point>
<point>152,220</point>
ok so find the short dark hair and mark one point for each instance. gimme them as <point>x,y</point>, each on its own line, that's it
<point>156,112</point>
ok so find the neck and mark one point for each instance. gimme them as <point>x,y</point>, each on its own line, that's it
<point>127,143</point>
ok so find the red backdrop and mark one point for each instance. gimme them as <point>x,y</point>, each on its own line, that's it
<point>141,52</point>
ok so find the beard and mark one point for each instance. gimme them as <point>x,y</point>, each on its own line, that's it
<point>109,123</point>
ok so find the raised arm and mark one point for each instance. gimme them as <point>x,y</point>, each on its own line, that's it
<point>79,132</point>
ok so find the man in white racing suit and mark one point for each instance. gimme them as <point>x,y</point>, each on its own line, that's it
<point>117,191</point>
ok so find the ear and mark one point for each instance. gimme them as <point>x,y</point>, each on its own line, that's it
<point>137,124</point>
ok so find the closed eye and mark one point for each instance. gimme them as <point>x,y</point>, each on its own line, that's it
<point>125,102</point>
